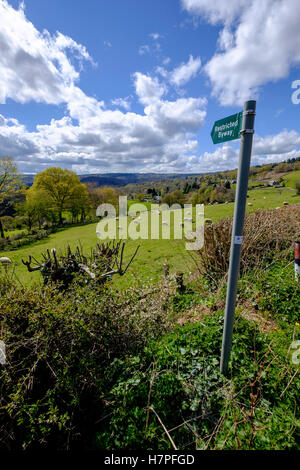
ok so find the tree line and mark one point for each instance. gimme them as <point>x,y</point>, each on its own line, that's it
<point>55,191</point>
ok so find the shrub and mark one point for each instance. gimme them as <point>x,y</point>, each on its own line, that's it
<point>177,382</point>
<point>266,234</point>
<point>59,346</point>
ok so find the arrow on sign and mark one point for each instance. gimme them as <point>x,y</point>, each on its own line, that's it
<point>227,128</point>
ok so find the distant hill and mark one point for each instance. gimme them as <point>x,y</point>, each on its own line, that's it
<point>120,179</point>
<point>262,173</point>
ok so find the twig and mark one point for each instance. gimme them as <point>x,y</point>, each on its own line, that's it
<point>164,428</point>
<point>289,384</point>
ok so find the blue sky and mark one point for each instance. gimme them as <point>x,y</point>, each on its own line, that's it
<point>134,85</point>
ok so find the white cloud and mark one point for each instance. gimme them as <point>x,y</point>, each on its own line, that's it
<point>122,102</point>
<point>33,65</point>
<point>278,144</point>
<point>155,36</point>
<point>148,89</point>
<point>106,140</point>
<point>144,49</point>
<point>217,10</point>
<point>39,67</point>
<point>162,140</point>
<point>223,158</point>
<point>185,72</point>
<point>259,43</point>
<point>107,44</point>
<point>92,137</point>
<point>180,116</point>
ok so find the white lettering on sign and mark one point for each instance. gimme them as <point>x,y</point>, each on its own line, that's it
<point>224,134</point>
<point>228,125</point>
<point>238,240</point>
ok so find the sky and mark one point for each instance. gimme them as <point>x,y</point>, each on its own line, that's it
<point>135,85</point>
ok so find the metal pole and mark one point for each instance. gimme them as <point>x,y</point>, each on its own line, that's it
<point>237,228</point>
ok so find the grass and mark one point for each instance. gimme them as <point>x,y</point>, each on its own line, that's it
<point>152,254</point>
<point>291,178</point>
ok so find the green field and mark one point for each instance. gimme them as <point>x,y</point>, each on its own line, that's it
<point>152,253</point>
<point>292,178</point>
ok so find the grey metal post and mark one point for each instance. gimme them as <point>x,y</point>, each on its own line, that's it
<point>237,228</point>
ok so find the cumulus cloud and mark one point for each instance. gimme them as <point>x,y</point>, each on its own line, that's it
<point>107,140</point>
<point>278,144</point>
<point>91,137</point>
<point>258,44</point>
<point>185,72</point>
<point>215,11</point>
<point>148,88</point>
<point>35,66</point>
<point>45,68</point>
<point>270,149</point>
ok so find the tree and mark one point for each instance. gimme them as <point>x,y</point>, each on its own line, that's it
<point>140,197</point>
<point>10,185</point>
<point>175,197</point>
<point>59,185</point>
<point>79,202</point>
<point>104,194</point>
<point>298,187</point>
<point>37,207</point>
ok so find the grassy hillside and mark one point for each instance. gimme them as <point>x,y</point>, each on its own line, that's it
<point>152,253</point>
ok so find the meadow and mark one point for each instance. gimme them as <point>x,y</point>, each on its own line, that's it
<point>152,254</point>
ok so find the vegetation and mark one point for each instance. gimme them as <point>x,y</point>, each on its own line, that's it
<point>120,349</point>
<point>9,185</point>
<point>274,232</point>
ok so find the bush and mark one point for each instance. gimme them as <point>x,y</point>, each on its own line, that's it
<point>177,382</point>
<point>59,346</point>
<point>266,235</point>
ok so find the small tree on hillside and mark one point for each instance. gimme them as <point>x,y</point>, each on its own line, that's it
<point>59,185</point>
<point>79,203</point>
<point>10,185</point>
<point>37,207</point>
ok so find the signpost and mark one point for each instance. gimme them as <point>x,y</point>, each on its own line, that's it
<point>246,131</point>
<point>227,129</point>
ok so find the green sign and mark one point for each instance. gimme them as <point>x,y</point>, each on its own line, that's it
<point>227,128</point>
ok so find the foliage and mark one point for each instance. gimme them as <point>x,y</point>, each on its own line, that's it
<point>266,234</point>
<point>59,348</point>
<point>177,380</point>
<point>37,207</point>
<point>277,292</point>
<point>103,195</point>
<point>60,186</point>
<point>175,197</point>
<point>22,239</point>
<point>10,184</point>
